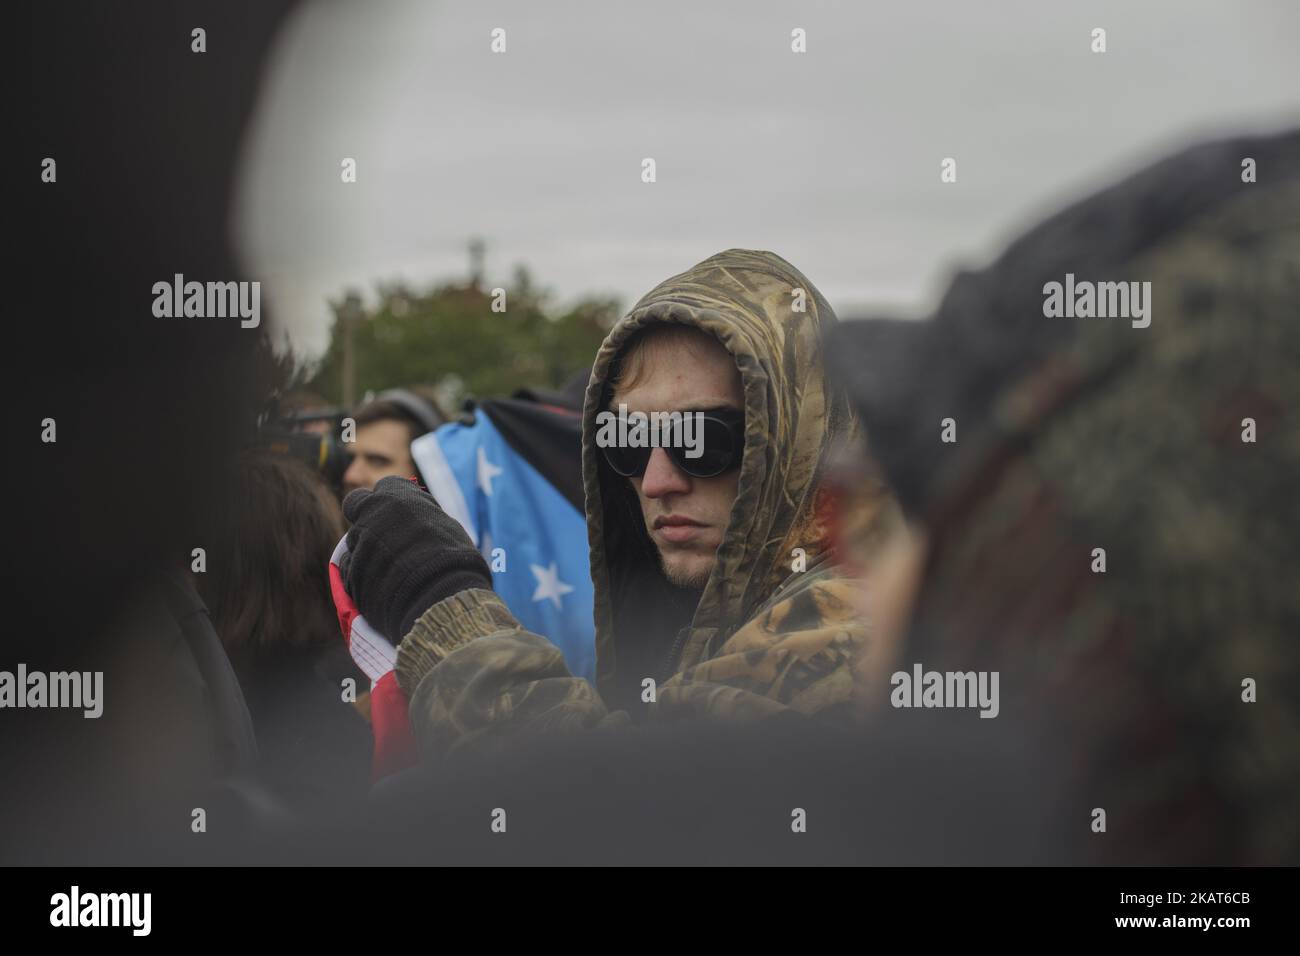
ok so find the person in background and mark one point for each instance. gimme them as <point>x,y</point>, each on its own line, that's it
<point>385,428</point>
<point>308,411</point>
<point>266,586</point>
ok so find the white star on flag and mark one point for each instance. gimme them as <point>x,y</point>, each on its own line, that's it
<point>549,584</point>
<point>486,472</point>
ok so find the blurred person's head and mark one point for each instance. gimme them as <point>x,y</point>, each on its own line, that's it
<point>266,582</point>
<point>267,588</point>
<point>385,429</point>
<point>1113,528</point>
<point>679,368</point>
<point>307,411</point>
<point>111,539</point>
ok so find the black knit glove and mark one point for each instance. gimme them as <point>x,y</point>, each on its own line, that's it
<point>405,554</point>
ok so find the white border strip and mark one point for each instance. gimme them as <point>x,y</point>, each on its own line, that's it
<point>370,649</point>
<point>438,478</point>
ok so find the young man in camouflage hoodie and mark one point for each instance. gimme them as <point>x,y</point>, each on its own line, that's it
<point>714,597</point>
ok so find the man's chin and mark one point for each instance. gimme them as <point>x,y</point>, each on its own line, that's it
<point>687,574</point>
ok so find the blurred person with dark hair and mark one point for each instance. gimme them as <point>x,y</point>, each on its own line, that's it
<point>308,411</point>
<point>267,588</point>
<point>1114,530</point>
<point>385,428</point>
<point>165,402</point>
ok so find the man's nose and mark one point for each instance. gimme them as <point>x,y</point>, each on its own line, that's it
<point>662,477</point>
<point>355,476</point>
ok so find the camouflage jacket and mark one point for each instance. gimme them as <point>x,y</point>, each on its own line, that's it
<point>775,628</point>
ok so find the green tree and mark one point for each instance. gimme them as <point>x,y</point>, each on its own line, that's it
<point>450,338</point>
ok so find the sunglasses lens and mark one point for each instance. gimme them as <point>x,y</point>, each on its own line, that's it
<point>718,455</point>
<point>628,462</point>
<point>721,443</point>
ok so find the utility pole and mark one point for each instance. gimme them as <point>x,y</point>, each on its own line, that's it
<point>349,315</point>
<point>477,251</point>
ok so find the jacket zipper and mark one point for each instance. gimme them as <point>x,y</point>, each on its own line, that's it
<point>679,644</point>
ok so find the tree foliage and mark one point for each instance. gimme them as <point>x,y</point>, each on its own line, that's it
<point>450,338</point>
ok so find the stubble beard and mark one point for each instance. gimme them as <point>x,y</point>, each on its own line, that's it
<point>688,579</point>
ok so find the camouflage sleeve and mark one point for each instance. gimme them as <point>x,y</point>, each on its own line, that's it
<point>795,656</point>
<point>472,674</point>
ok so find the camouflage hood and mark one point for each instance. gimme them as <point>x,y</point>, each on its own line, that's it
<point>747,301</point>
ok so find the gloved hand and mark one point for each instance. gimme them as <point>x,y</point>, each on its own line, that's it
<point>405,554</point>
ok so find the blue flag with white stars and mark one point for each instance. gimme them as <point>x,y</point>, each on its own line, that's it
<point>532,536</point>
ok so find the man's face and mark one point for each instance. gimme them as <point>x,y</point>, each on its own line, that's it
<point>686,517</point>
<point>382,448</point>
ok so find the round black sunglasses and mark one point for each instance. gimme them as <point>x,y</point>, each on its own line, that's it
<point>722,446</point>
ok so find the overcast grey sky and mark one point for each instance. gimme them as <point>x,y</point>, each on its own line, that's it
<point>830,158</point>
